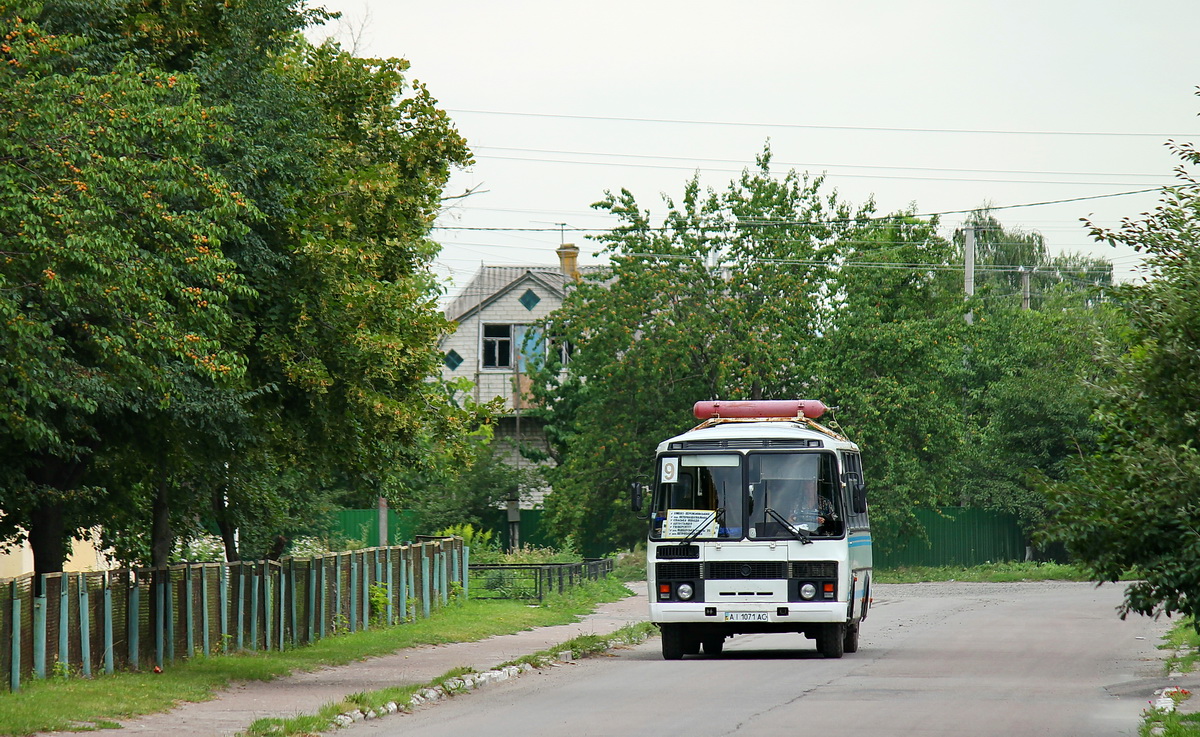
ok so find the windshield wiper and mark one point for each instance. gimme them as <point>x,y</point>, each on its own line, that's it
<point>801,535</point>
<point>695,533</point>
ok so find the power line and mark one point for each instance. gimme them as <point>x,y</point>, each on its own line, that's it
<point>835,175</point>
<point>796,165</point>
<point>996,268</point>
<point>678,121</point>
<point>879,218</point>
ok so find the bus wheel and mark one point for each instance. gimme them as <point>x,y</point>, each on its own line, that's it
<point>850,641</point>
<point>714,644</point>
<point>672,641</point>
<point>831,641</point>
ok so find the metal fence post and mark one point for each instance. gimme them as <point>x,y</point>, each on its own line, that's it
<point>338,616</point>
<point>133,618</point>
<point>108,625</point>
<point>353,593</point>
<point>312,600</point>
<point>366,592</point>
<point>324,598</point>
<point>241,607</point>
<point>292,601</point>
<point>204,611</point>
<point>253,609</point>
<point>391,609</point>
<point>466,577</point>
<point>160,601</point>
<point>189,616</point>
<point>268,607</point>
<point>223,597</point>
<point>14,675</point>
<point>64,617</point>
<point>39,631</point>
<point>425,583</point>
<point>403,563</point>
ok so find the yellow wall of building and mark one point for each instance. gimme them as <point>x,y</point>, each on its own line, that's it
<point>86,555</point>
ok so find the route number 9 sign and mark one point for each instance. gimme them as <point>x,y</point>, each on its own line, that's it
<point>670,471</point>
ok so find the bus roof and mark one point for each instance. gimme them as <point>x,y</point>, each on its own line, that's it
<point>741,434</point>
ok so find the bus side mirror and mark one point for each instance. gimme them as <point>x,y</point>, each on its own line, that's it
<point>858,493</point>
<point>636,491</point>
<point>858,497</point>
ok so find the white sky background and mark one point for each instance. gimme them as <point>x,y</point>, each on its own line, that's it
<point>1071,67</point>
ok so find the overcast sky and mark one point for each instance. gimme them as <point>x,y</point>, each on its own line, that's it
<point>945,104</point>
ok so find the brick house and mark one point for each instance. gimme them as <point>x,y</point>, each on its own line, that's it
<point>497,339</point>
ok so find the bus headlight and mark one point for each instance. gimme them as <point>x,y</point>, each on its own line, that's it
<point>808,591</point>
<point>684,591</point>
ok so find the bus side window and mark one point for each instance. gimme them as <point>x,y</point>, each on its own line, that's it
<point>853,466</point>
<point>831,504</point>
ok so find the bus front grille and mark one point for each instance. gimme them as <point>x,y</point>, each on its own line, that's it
<point>676,571</point>
<point>814,569</point>
<point>760,569</point>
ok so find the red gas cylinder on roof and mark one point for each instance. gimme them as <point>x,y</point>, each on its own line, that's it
<point>810,408</point>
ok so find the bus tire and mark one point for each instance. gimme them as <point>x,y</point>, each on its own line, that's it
<point>672,641</point>
<point>831,640</point>
<point>850,641</point>
<point>714,644</point>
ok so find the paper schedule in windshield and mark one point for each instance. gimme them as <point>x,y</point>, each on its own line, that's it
<point>690,522</point>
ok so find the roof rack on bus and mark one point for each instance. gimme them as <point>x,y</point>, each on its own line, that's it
<point>799,411</point>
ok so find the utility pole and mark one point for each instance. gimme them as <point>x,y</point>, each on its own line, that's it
<point>1025,287</point>
<point>969,276</point>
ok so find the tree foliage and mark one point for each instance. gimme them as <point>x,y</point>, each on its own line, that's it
<point>1132,505</point>
<point>216,292</point>
<point>773,288</point>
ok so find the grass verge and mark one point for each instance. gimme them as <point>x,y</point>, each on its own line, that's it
<point>1004,572</point>
<point>449,684</point>
<point>1184,640</point>
<point>79,704</point>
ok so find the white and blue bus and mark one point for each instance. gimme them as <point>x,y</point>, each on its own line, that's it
<point>758,523</point>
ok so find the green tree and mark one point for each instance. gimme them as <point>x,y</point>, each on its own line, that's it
<point>893,365</point>
<point>1131,506</point>
<point>330,318</point>
<point>725,299</point>
<point>114,290</point>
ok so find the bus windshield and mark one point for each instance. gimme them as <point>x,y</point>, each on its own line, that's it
<point>698,497</point>
<point>731,496</point>
<point>793,495</point>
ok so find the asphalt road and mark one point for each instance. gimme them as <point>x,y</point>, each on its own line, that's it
<point>934,659</point>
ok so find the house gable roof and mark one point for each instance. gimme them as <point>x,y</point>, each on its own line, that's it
<point>492,282</point>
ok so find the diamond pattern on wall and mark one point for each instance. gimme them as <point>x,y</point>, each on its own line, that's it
<point>529,299</point>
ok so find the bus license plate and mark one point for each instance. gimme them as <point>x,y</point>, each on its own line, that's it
<point>746,616</point>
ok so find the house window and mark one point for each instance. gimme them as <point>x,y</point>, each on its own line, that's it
<point>453,360</point>
<point>497,346</point>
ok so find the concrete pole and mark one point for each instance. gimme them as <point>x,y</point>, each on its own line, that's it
<point>1025,287</point>
<point>969,267</point>
<point>382,507</point>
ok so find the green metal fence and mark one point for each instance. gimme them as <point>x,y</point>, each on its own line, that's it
<point>362,525</point>
<point>533,580</point>
<point>101,622</point>
<point>957,536</point>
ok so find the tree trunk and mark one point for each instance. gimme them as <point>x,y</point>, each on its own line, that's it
<point>47,537</point>
<point>160,524</point>
<point>47,519</point>
<point>228,535</point>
